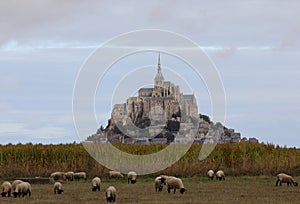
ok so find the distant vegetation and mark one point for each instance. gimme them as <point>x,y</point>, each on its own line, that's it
<point>235,159</point>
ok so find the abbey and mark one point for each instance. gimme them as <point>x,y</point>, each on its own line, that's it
<point>164,100</point>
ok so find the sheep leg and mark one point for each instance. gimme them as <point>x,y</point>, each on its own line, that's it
<point>174,190</point>
<point>169,190</point>
<point>277,182</point>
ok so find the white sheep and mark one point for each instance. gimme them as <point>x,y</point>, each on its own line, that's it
<point>284,178</point>
<point>58,176</point>
<point>23,188</point>
<point>158,183</point>
<point>111,194</point>
<point>69,176</point>
<point>131,176</point>
<point>210,174</point>
<point>175,183</point>
<point>96,183</point>
<point>58,188</point>
<point>79,175</point>
<point>14,184</point>
<point>115,174</point>
<point>6,189</point>
<point>220,175</point>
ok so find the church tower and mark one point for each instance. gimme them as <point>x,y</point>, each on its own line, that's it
<point>158,81</point>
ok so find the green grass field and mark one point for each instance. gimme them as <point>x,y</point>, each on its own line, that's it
<point>199,190</point>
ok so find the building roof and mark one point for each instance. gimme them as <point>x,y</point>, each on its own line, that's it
<point>189,96</point>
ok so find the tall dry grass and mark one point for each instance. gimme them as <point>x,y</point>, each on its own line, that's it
<point>235,159</point>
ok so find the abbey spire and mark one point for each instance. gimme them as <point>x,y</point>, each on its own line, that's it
<point>159,78</point>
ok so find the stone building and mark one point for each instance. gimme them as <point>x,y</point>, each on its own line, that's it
<point>162,102</point>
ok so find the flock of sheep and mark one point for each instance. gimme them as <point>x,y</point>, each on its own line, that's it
<point>18,187</point>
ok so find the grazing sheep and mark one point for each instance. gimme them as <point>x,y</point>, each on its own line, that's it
<point>58,188</point>
<point>58,176</point>
<point>159,184</point>
<point>220,175</point>
<point>111,194</point>
<point>284,178</point>
<point>132,177</point>
<point>175,183</point>
<point>69,176</point>
<point>23,188</point>
<point>6,189</point>
<point>211,174</point>
<point>96,183</point>
<point>79,175</point>
<point>14,185</point>
<point>115,174</point>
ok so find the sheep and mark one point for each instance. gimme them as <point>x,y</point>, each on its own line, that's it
<point>23,188</point>
<point>159,182</point>
<point>14,185</point>
<point>132,177</point>
<point>79,175</point>
<point>111,194</point>
<point>58,188</point>
<point>220,175</point>
<point>58,176</point>
<point>6,189</point>
<point>115,174</point>
<point>211,174</point>
<point>69,176</point>
<point>96,183</point>
<point>284,178</point>
<point>175,183</point>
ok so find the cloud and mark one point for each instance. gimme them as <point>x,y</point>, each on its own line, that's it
<point>8,83</point>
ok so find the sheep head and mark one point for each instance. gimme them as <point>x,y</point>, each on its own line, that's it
<point>16,194</point>
<point>182,190</point>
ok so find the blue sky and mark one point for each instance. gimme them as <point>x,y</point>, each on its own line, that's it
<point>254,44</point>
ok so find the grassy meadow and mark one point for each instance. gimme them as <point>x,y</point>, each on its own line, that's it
<point>199,190</point>
<point>250,174</point>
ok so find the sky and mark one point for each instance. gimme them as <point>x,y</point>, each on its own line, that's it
<point>255,46</point>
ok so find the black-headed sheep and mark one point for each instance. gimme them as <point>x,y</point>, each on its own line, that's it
<point>111,194</point>
<point>159,183</point>
<point>96,183</point>
<point>220,175</point>
<point>23,189</point>
<point>131,176</point>
<point>79,175</point>
<point>6,189</point>
<point>14,184</point>
<point>175,183</point>
<point>58,176</point>
<point>69,176</point>
<point>58,188</point>
<point>284,178</point>
<point>211,174</point>
<point>115,174</point>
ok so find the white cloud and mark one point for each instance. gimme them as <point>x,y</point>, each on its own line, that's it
<point>8,83</point>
